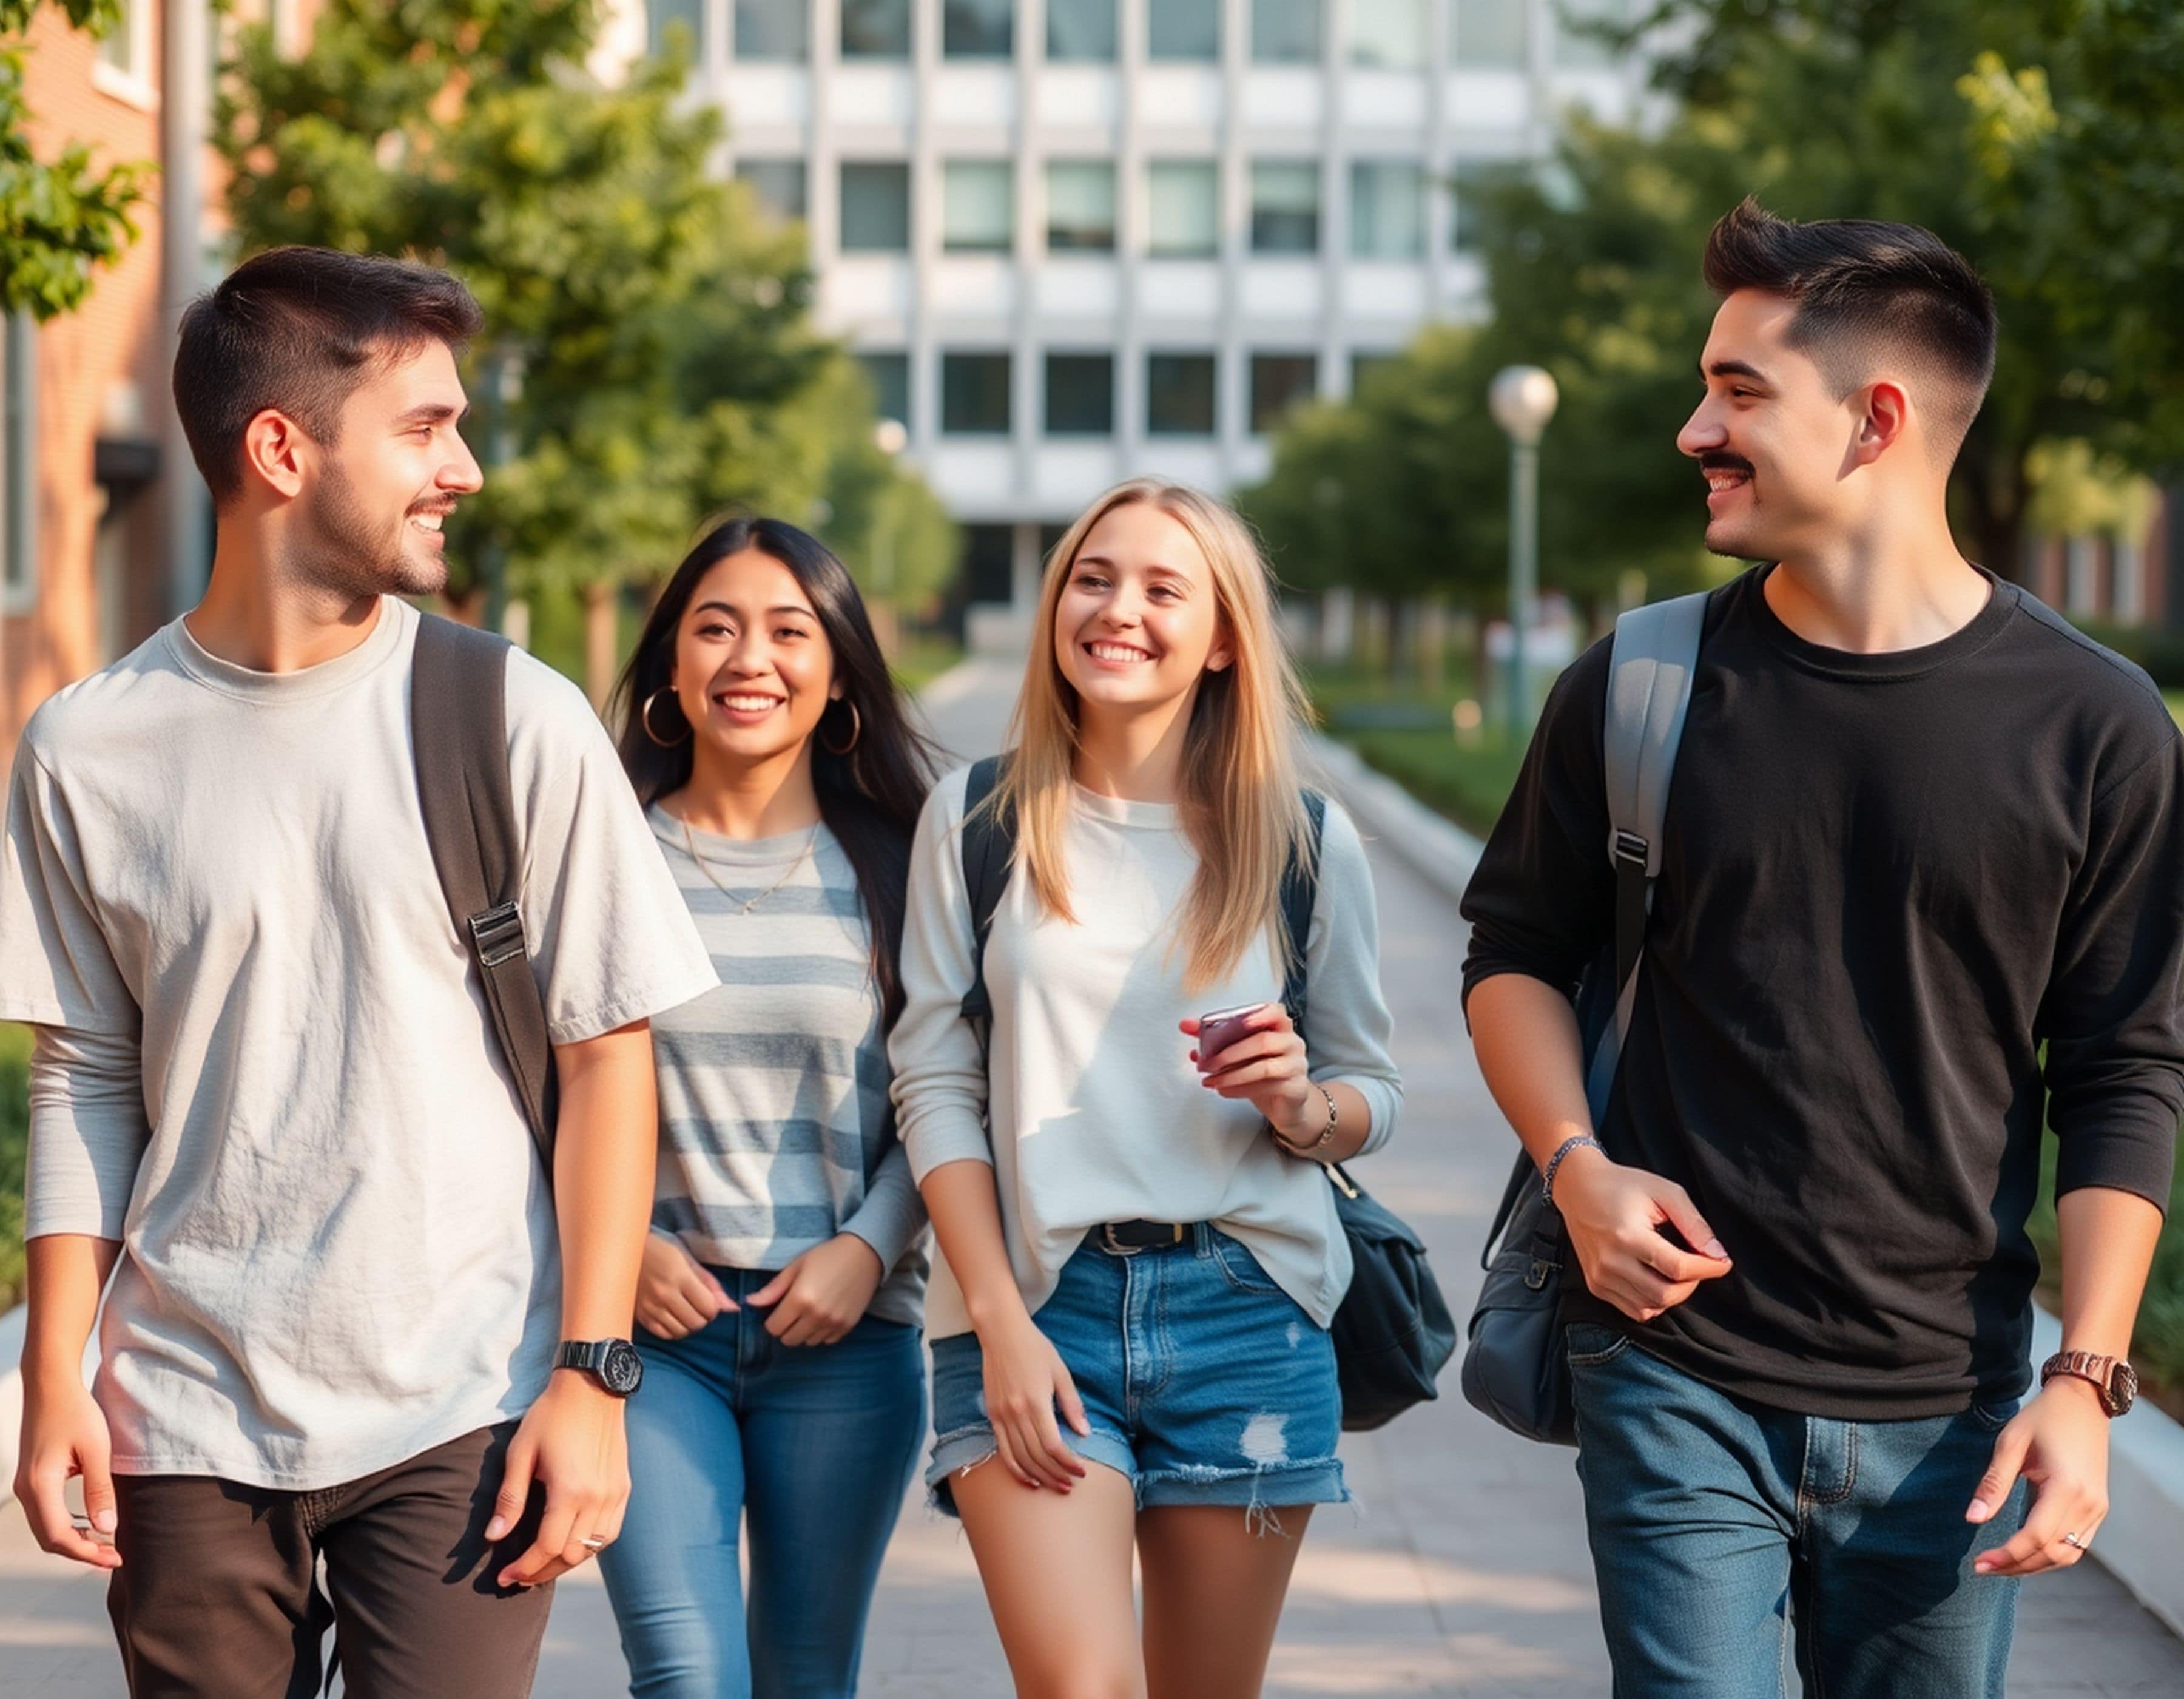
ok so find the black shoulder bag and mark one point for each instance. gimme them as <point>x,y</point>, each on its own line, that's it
<point>1393,1333</point>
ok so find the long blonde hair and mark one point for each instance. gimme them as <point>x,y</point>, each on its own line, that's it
<point>1241,805</point>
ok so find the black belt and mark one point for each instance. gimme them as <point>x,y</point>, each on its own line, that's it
<point>1127,1238</point>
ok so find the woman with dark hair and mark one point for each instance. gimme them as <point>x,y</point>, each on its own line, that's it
<point>780,1297</point>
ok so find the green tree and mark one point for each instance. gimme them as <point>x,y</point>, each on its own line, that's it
<point>649,359</point>
<point>62,218</point>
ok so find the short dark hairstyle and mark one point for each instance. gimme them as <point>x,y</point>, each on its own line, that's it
<point>1865,290</point>
<point>297,329</point>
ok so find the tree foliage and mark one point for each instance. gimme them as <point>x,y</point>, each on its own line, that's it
<point>1877,109</point>
<point>655,321</point>
<point>60,219</point>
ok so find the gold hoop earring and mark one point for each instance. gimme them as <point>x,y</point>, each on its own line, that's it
<point>645,719</point>
<point>856,731</point>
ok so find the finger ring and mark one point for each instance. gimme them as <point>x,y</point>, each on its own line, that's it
<point>2075,1541</point>
<point>591,1542</point>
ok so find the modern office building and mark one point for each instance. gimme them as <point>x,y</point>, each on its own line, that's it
<point>1076,240</point>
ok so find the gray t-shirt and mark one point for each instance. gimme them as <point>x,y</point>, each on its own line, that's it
<point>264,1067</point>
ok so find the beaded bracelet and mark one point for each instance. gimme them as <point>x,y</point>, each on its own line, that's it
<point>1584,1141</point>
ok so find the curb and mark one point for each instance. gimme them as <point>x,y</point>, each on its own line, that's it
<point>2142,1543</point>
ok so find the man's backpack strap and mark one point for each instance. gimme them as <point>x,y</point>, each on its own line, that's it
<point>459,736</point>
<point>1649,693</point>
<point>1300,892</point>
<point>989,848</point>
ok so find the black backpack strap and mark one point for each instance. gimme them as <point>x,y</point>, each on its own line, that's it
<point>1300,892</point>
<point>458,737</point>
<point>988,849</point>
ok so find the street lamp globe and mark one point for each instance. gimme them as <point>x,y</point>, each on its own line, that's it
<point>1523,400</point>
<point>890,436</point>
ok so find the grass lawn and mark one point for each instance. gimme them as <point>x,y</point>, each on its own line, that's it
<point>2176,701</point>
<point>1404,729</point>
<point>922,657</point>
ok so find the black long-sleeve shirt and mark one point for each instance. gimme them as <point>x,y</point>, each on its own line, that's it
<point>1887,882</point>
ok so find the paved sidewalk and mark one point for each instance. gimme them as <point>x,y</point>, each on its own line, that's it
<point>1463,1570</point>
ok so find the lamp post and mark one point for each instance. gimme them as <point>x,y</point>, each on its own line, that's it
<point>1522,400</point>
<point>890,437</point>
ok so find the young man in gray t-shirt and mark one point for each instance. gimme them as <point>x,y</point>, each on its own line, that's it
<point>267,1097</point>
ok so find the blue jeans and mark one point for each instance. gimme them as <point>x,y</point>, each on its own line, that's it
<point>1733,1541</point>
<point>1203,1382</point>
<point>815,1444</point>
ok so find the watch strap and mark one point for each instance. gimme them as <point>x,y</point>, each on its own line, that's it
<point>2089,1365</point>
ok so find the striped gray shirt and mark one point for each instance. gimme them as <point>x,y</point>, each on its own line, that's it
<point>776,1132</point>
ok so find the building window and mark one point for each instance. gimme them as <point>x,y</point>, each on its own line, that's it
<point>1389,35</point>
<point>1080,206</point>
<point>875,29</point>
<point>1189,29</point>
<point>978,29</point>
<point>1279,383</point>
<point>770,31</point>
<point>1492,35</point>
<point>1183,198</point>
<point>1387,208</point>
<point>1576,46</point>
<point>1080,31</point>
<point>889,373</point>
<point>974,394</point>
<point>18,461</point>
<point>990,563</point>
<point>1286,32</point>
<point>875,207</point>
<point>778,185</point>
<point>1080,395</point>
<point>1179,395</point>
<point>1477,182</point>
<point>1285,206</point>
<point>977,206</point>
<point>126,48</point>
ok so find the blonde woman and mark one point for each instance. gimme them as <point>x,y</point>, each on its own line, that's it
<point>1142,1255</point>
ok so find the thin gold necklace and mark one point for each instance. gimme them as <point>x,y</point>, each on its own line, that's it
<point>690,844</point>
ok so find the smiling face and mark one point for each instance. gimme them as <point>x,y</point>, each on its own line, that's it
<point>1773,440</point>
<point>753,670</point>
<point>368,519</point>
<point>1138,622</point>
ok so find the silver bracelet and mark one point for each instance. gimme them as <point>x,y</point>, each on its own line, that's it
<point>1326,1133</point>
<point>1584,1141</point>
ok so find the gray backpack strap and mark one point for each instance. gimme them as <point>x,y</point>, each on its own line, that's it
<point>1649,693</point>
<point>458,737</point>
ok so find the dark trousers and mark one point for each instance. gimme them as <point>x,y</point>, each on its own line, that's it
<point>217,1593</point>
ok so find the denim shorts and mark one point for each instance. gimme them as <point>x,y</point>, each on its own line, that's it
<point>1203,1382</point>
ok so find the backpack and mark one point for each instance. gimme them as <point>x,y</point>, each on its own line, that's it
<point>1392,1332</point>
<point>459,740</point>
<point>1514,1370</point>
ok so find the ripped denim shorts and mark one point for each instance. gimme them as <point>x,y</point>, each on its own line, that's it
<point>1203,1381</point>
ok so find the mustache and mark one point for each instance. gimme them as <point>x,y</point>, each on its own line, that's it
<point>1720,460</point>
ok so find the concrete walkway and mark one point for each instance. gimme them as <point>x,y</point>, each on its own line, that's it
<point>1462,1571</point>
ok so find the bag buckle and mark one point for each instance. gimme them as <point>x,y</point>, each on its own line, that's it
<point>497,934</point>
<point>1539,1274</point>
<point>1629,849</point>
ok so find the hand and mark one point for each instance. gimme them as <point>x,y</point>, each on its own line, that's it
<point>823,1294</point>
<point>1265,1068</point>
<point>677,1294</point>
<point>572,1440</point>
<point>1614,1216</point>
<point>2059,1442</point>
<point>64,1434</point>
<point>1026,1381</point>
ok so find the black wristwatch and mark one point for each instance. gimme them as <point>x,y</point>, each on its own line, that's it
<point>614,1363</point>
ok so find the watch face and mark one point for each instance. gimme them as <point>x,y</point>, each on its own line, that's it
<point>622,1370</point>
<point>2123,1389</point>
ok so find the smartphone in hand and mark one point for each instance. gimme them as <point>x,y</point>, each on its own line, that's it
<point>1219,1030</point>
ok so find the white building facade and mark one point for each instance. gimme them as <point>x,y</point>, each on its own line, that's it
<point>1079,240</point>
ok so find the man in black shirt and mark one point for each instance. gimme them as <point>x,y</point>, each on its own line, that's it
<point>1922,888</point>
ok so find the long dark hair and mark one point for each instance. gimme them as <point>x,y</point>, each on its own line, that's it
<point>870,797</point>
